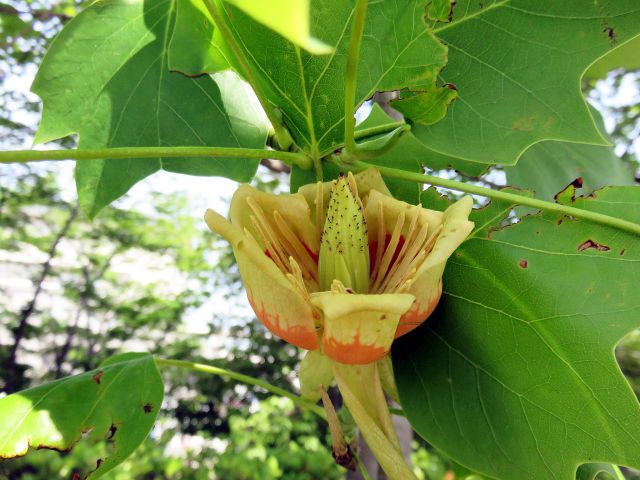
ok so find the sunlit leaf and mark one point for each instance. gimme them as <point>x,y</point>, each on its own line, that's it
<point>117,403</point>
<point>290,18</point>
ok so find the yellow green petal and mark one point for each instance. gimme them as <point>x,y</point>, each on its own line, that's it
<point>278,302</point>
<point>387,378</point>
<point>293,208</point>
<point>316,372</point>
<point>362,392</point>
<point>359,329</point>
<point>427,283</point>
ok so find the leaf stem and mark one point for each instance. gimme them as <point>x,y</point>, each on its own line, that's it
<point>600,218</point>
<point>275,117</point>
<point>377,130</point>
<point>353,55</point>
<point>199,367</point>
<point>22,156</point>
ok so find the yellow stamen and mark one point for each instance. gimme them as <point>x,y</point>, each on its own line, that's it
<point>281,243</point>
<point>388,253</point>
<point>297,246</point>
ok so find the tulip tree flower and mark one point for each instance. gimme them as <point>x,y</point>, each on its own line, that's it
<point>342,269</point>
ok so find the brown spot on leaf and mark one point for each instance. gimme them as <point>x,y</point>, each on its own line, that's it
<point>112,432</point>
<point>98,463</point>
<point>622,251</point>
<point>98,376</point>
<point>523,124</point>
<point>591,244</point>
<point>523,263</point>
<point>148,408</point>
<point>451,86</point>
<point>611,33</point>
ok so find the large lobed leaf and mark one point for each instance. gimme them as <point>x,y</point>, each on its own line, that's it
<point>118,402</point>
<point>517,66</point>
<point>397,51</point>
<point>514,375</point>
<point>549,166</point>
<point>106,78</point>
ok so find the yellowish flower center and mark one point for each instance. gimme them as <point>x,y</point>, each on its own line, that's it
<point>344,246</point>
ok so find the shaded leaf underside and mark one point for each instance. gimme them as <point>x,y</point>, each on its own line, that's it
<point>106,78</point>
<point>517,65</point>
<point>547,167</point>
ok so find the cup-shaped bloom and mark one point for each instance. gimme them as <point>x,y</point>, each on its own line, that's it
<point>341,266</point>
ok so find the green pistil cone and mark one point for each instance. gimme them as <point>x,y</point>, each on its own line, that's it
<point>344,247</point>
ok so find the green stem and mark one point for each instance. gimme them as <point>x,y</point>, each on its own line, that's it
<point>500,195</point>
<point>353,55</point>
<point>282,135</point>
<point>199,367</point>
<point>365,133</point>
<point>22,156</point>
<point>362,468</point>
<point>377,130</point>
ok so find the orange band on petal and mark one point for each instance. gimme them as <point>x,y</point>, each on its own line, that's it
<point>417,315</point>
<point>295,334</point>
<point>353,353</point>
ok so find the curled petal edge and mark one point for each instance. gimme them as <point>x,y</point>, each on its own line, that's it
<point>281,307</point>
<point>359,329</point>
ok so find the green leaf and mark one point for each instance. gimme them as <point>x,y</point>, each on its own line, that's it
<point>440,10</point>
<point>406,155</point>
<point>599,471</point>
<point>115,89</point>
<point>397,52</point>
<point>514,375</point>
<point>517,67</point>
<point>547,167</point>
<point>117,403</point>
<point>624,56</point>
<point>196,45</point>
<point>10,22</point>
<point>288,18</point>
<point>425,107</point>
